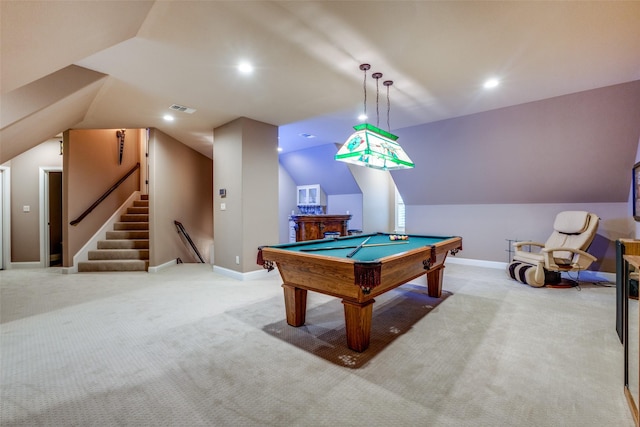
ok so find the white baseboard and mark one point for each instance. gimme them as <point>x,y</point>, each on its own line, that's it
<point>157,268</point>
<point>251,275</point>
<point>587,276</point>
<point>70,270</point>
<point>476,262</point>
<point>25,265</point>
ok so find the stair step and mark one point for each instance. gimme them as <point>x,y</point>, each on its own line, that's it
<point>127,246</point>
<point>127,234</point>
<point>131,226</point>
<point>138,210</point>
<point>134,218</point>
<point>113,265</point>
<point>118,254</point>
<point>123,244</point>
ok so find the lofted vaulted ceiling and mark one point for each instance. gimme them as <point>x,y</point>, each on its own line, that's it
<point>126,62</point>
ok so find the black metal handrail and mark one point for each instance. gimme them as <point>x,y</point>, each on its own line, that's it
<point>182,230</point>
<point>105,195</point>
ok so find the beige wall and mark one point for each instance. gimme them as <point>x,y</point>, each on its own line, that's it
<point>180,189</point>
<point>227,175</point>
<point>246,165</point>
<point>25,191</point>
<point>90,168</point>
<point>378,199</point>
<point>259,189</point>
<point>287,202</point>
<point>32,113</point>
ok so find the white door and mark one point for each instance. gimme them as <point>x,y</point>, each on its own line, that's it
<point>5,217</point>
<point>1,219</point>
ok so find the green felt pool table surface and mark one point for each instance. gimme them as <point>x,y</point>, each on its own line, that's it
<point>382,246</point>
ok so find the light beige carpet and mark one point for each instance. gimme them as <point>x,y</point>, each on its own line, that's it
<point>188,347</point>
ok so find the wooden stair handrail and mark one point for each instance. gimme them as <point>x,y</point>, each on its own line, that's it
<point>105,195</point>
<point>182,230</point>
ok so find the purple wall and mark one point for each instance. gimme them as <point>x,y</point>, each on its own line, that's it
<point>576,148</point>
<point>316,165</point>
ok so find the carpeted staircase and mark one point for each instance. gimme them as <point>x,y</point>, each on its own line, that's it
<point>127,246</point>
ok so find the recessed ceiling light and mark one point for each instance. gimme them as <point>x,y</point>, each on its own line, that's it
<point>245,67</point>
<point>491,83</point>
<point>279,149</point>
<point>362,117</point>
<point>168,117</point>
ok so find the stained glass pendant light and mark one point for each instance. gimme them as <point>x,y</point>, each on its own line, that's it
<point>371,146</point>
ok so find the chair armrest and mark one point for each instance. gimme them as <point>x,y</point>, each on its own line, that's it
<point>581,259</point>
<point>519,245</point>
<point>574,251</point>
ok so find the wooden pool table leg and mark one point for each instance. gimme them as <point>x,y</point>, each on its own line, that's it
<point>295,303</point>
<point>357,317</point>
<point>434,281</point>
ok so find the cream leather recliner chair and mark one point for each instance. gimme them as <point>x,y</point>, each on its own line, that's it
<point>564,251</point>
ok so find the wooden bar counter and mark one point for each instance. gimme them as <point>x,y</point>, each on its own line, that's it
<point>313,227</point>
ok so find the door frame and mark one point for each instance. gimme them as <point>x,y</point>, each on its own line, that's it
<point>5,218</point>
<point>43,174</point>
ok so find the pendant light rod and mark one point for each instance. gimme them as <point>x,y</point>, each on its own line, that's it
<point>365,68</point>
<point>377,76</point>
<point>388,83</point>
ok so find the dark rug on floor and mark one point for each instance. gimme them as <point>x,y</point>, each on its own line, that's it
<point>324,334</point>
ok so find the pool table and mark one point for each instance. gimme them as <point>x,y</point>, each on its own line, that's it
<point>357,269</point>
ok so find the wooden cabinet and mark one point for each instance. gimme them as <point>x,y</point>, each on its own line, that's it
<point>624,247</point>
<point>311,195</point>
<point>628,251</point>
<point>631,341</point>
<point>312,227</point>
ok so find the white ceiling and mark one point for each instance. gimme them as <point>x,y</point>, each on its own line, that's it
<point>307,56</point>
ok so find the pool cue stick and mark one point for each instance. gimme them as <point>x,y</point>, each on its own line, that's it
<point>384,244</point>
<point>353,252</point>
<point>329,248</point>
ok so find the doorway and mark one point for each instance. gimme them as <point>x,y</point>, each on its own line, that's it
<point>51,217</point>
<point>3,196</point>
<point>55,219</point>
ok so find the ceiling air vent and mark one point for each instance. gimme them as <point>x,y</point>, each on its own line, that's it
<point>182,109</point>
